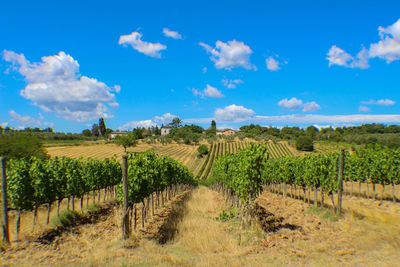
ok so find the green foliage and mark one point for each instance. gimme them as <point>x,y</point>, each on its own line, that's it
<point>202,150</point>
<point>66,218</point>
<point>102,127</point>
<point>242,172</point>
<point>148,173</point>
<point>126,141</point>
<point>21,145</point>
<point>95,130</point>
<point>305,143</point>
<point>176,123</point>
<point>225,216</point>
<point>33,182</point>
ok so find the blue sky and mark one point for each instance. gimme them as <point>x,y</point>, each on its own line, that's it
<point>66,63</point>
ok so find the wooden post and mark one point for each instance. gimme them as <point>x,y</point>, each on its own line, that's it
<point>125,217</point>
<point>340,185</point>
<point>6,231</point>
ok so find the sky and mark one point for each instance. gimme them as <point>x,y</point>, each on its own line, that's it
<point>65,64</point>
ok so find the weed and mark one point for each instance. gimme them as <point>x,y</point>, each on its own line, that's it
<point>324,213</point>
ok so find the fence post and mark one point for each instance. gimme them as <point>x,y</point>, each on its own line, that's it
<point>340,185</point>
<point>6,231</point>
<point>125,217</point>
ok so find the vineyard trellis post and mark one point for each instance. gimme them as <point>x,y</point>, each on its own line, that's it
<point>125,211</point>
<point>6,231</point>
<point>340,185</point>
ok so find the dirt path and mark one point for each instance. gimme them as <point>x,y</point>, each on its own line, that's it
<point>294,237</point>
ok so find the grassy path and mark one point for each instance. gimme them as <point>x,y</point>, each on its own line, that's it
<point>201,239</point>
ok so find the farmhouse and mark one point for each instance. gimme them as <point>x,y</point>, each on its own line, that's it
<point>226,132</point>
<point>165,129</point>
<point>113,135</point>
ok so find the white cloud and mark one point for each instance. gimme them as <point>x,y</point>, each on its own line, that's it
<point>272,64</point>
<point>381,102</point>
<point>291,104</point>
<point>296,104</point>
<point>28,121</point>
<point>135,40</point>
<point>337,56</point>
<point>164,119</point>
<point>209,91</point>
<point>172,34</point>
<point>232,54</point>
<point>233,113</point>
<point>204,70</point>
<point>4,124</point>
<point>55,85</point>
<point>388,47</point>
<point>364,109</point>
<point>231,84</point>
<point>311,107</point>
<point>328,119</point>
<point>135,124</point>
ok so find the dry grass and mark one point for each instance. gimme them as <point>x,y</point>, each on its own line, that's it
<point>203,241</point>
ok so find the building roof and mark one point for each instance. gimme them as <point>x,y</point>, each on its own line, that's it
<point>166,126</point>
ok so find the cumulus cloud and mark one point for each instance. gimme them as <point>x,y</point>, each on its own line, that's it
<point>172,34</point>
<point>272,64</point>
<point>233,113</point>
<point>229,55</point>
<point>337,56</point>
<point>209,91</point>
<point>231,84</point>
<point>164,119</point>
<point>364,109</point>
<point>135,40</point>
<point>28,121</point>
<point>388,47</point>
<point>311,107</point>
<point>291,104</point>
<point>135,124</point>
<point>55,85</point>
<point>380,102</point>
<point>296,104</point>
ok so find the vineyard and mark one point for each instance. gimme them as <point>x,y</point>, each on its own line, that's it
<point>248,171</point>
<point>276,150</point>
<point>250,182</point>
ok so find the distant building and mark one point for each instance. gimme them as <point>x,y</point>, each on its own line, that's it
<point>229,132</point>
<point>166,130</point>
<point>226,132</point>
<point>113,135</point>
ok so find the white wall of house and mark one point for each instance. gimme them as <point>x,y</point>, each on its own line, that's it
<point>165,131</point>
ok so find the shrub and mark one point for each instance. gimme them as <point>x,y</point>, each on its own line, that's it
<point>304,143</point>
<point>203,150</point>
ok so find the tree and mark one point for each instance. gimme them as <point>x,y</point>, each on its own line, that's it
<point>203,150</point>
<point>126,141</point>
<point>304,143</point>
<point>176,123</point>
<point>102,127</point>
<point>311,131</point>
<point>87,132</point>
<point>212,131</point>
<point>95,129</point>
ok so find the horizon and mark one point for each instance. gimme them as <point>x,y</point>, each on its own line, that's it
<point>140,65</point>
